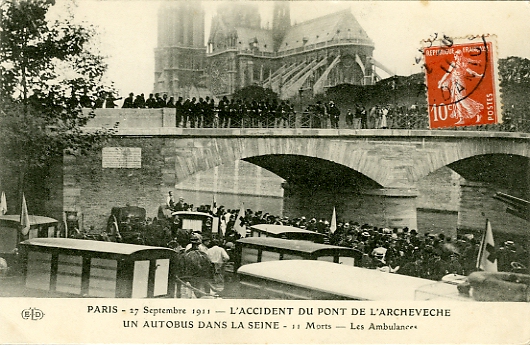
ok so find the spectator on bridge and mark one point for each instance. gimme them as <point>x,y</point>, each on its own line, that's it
<point>162,102</point>
<point>384,114</point>
<point>171,102</point>
<point>129,101</point>
<point>109,101</point>
<point>85,101</point>
<point>159,102</point>
<point>179,113</point>
<point>100,101</point>
<point>320,115</point>
<point>139,101</point>
<point>350,119</point>
<point>214,113</point>
<point>150,102</point>
<point>363,117</point>
<point>224,112</point>
<point>334,115</point>
<point>193,113</point>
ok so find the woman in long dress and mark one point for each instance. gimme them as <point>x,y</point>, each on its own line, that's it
<point>463,107</point>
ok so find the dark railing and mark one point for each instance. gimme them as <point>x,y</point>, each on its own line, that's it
<point>310,120</point>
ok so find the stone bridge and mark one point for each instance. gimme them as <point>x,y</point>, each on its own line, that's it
<point>383,163</point>
<point>390,159</point>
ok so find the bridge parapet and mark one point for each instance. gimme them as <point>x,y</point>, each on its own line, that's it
<point>166,118</point>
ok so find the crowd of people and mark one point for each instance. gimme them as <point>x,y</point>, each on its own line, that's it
<point>236,113</point>
<point>398,250</point>
<point>207,113</point>
<point>387,116</point>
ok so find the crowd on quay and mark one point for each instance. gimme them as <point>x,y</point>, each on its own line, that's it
<point>398,250</point>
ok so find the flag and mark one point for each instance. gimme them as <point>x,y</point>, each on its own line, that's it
<point>65,223</point>
<point>487,255</point>
<point>24,217</point>
<point>239,225</point>
<point>333,225</point>
<point>214,205</point>
<point>3,204</point>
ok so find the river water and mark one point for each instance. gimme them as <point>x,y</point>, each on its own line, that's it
<point>247,185</point>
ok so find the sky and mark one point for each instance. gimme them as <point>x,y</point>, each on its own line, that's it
<point>128,29</point>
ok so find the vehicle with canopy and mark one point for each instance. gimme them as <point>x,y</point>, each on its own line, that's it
<point>259,249</point>
<point>320,280</point>
<point>10,235</point>
<point>65,267</point>
<point>194,221</point>
<point>285,232</point>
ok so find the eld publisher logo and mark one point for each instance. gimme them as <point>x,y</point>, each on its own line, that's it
<point>32,314</point>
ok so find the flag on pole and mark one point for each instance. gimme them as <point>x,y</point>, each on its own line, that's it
<point>333,225</point>
<point>24,217</point>
<point>487,255</point>
<point>214,205</point>
<point>65,224</point>
<point>3,204</point>
<point>239,225</point>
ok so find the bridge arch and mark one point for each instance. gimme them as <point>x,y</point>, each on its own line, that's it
<point>392,159</point>
<point>313,173</point>
<point>206,154</point>
<point>497,161</point>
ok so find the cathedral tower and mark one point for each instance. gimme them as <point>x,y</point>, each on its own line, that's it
<point>281,22</point>
<point>180,53</point>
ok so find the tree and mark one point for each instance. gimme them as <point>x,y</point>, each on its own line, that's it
<point>255,93</point>
<point>47,67</point>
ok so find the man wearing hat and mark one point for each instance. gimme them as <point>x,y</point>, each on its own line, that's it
<point>198,238</point>
<point>198,270</point>
<point>179,206</point>
<point>334,115</point>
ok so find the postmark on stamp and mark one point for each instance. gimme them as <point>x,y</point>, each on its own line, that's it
<point>462,81</point>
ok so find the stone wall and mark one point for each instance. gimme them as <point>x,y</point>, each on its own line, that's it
<point>93,190</point>
<point>168,159</point>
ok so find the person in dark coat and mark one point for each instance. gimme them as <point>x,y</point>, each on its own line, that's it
<point>224,112</point>
<point>171,102</point>
<point>364,117</point>
<point>198,267</point>
<point>150,102</point>
<point>179,112</point>
<point>139,102</point>
<point>334,115</point>
<point>109,101</point>
<point>129,101</point>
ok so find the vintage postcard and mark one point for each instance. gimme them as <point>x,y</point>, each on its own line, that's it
<point>264,172</point>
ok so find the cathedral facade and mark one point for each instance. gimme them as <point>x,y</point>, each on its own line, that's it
<point>308,57</point>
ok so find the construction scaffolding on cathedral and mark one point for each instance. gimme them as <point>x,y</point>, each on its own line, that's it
<point>308,57</point>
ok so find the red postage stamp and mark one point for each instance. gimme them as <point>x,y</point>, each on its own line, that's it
<point>462,81</point>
